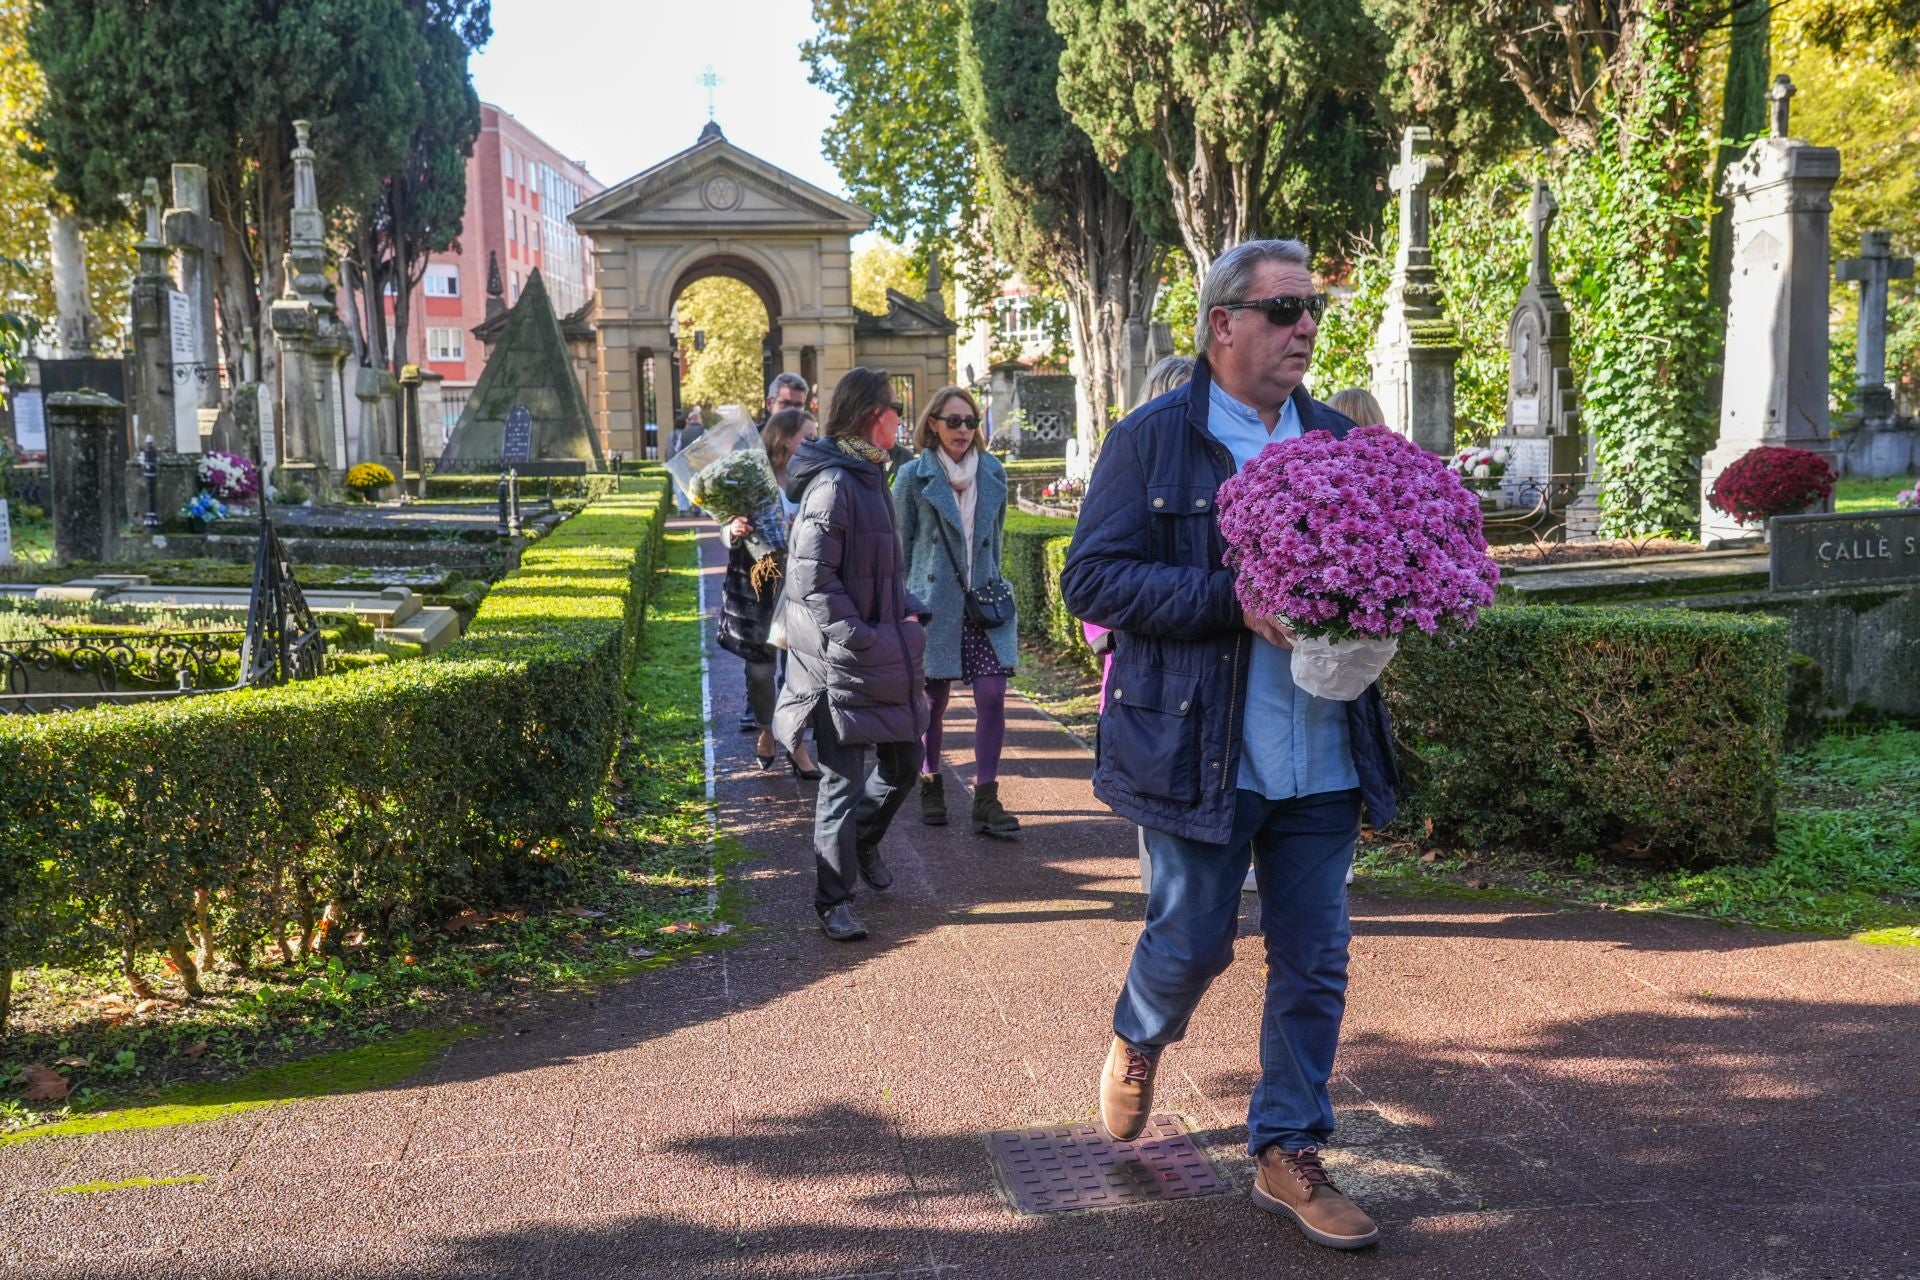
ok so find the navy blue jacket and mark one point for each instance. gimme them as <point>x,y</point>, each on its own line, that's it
<point>1148,561</point>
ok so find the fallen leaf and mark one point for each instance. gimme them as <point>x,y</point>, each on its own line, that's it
<point>146,1007</point>
<point>44,1084</point>
<point>1431,855</point>
<point>112,1000</point>
<point>197,1049</point>
<point>1427,827</point>
<point>679,926</point>
<point>583,913</point>
<point>641,953</point>
<point>468,919</point>
<point>168,961</point>
<point>72,1062</point>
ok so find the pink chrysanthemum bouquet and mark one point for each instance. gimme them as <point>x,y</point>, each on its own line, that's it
<point>1348,543</point>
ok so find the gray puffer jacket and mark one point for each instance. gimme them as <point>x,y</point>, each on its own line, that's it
<point>854,637</point>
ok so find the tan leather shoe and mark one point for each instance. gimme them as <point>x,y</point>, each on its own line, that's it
<point>1126,1091</point>
<point>1294,1184</point>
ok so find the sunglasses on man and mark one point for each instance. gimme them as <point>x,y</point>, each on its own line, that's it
<point>959,421</point>
<point>1283,310</point>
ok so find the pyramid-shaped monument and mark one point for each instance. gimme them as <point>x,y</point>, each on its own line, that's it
<point>530,370</point>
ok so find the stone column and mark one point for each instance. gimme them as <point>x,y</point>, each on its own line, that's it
<point>196,239</point>
<point>310,336</point>
<point>1416,349</point>
<point>1878,447</point>
<point>77,328</point>
<point>1776,349</point>
<point>155,389</point>
<point>86,454</point>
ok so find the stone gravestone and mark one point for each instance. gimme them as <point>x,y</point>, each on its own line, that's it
<point>86,460</point>
<point>1416,348</point>
<point>1543,414</point>
<point>1776,349</point>
<point>1872,548</point>
<point>197,241</point>
<point>516,440</point>
<point>164,410</point>
<point>1879,447</point>
<point>312,341</point>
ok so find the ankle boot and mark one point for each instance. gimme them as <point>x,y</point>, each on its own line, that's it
<point>989,819</point>
<point>933,800</point>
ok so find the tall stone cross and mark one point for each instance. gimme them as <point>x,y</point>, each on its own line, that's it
<point>1873,271</point>
<point>1541,211</point>
<point>197,240</point>
<point>1415,348</point>
<point>153,395</point>
<point>1780,106</point>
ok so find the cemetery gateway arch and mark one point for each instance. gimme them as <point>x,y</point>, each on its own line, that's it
<point>715,209</point>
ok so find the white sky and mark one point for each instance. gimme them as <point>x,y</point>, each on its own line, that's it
<point>615,83</point>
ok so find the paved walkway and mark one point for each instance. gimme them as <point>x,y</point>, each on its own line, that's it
<point>1523,1093</point>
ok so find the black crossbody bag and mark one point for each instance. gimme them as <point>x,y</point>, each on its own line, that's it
<point>986,607</point>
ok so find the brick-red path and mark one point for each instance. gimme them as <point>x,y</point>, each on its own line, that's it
<point>1523,1092</point>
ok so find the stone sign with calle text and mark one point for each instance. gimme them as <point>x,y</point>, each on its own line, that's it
<point>1872,549</point>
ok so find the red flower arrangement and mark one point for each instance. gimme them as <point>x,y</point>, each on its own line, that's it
<point>1771,481</point>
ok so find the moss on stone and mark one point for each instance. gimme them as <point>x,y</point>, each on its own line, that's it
<point>372,1066</point>
<point>128,1184</point>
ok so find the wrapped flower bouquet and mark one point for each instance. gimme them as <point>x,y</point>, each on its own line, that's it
<point>726,474</point>
<point>1348,543</point>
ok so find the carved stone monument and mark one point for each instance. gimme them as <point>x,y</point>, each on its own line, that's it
<point>196,240</point>
<point>162,405</point>
<point>1542,433</point>
<point>1416,349</point>
<point>311,338</point>
<point>1776,349</point>
<point>1878,447</point>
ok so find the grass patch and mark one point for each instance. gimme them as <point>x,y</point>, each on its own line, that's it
<point>1856,493</point>
<point>1847,859</point>
<point>128,1184</point>
<point>1061,687</point>
<point>645,890</point>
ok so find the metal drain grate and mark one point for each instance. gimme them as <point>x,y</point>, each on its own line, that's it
<point>1077,1166</point>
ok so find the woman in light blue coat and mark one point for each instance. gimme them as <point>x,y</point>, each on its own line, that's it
<point>952,507</point>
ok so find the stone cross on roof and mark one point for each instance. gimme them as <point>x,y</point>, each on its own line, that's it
<point>1781,97</point>
<point>712,81</point>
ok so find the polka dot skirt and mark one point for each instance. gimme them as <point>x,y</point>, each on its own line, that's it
<point>976,655</point>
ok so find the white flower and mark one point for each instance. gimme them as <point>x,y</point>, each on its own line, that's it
<point>1482,472</point>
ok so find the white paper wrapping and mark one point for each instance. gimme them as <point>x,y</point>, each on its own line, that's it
<point>1340,669</point>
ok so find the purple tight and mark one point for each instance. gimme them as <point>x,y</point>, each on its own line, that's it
<point>989,724</point>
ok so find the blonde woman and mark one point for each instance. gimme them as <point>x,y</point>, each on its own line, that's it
<point>952,505</point>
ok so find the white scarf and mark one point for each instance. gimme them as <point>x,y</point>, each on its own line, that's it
<point>961,476</point>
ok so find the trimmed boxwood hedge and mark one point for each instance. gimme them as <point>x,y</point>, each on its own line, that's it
<point>389,792</point>
<point>1562,730</point>
<point>482,488</point>
<point>1572,730</point>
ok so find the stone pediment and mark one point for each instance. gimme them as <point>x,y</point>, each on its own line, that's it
<point>712,185</point>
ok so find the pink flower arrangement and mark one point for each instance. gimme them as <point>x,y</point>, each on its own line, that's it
<point>228,476</point>
<point>1361,537</point>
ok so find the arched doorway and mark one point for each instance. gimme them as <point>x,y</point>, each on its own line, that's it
<point>725,329</point>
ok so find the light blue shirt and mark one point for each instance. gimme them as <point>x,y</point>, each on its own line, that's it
<point>1293,743</point>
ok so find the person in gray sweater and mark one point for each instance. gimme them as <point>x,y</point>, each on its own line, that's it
<point>855,640</point>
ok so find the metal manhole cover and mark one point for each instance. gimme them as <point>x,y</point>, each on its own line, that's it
<point>1077,1166</point>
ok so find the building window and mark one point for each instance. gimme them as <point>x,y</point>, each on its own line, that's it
<point>446,345</point>
<point>516,288</point>
<point>443,280</point>
<point>1025,322</point>
<point>513,225</point>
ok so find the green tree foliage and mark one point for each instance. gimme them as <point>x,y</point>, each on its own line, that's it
<point>732,323</point>
<point>898,138</point>
<point>417,209</point>
<point>27,196</point>
<point>1055,209</point>
<point>1260,111</point>
<point>1886,29</point>
<point>881,266</point>
<point>1443,72</point>
<point>134,87</point>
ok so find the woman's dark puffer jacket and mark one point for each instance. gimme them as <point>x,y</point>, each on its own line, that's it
<point>854,639</point>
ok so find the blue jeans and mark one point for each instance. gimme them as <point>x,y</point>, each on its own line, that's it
<point>1304,846</point>
<point>854,806</point>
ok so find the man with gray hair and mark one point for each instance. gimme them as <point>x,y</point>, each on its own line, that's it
<point>786,391</point>
<point>1206,743</point>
